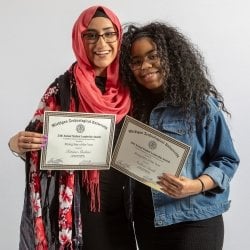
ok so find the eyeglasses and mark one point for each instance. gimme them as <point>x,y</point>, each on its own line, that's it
<point>136,62</point>
<point>93,37</point>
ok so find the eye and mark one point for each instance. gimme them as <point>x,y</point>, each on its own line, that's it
<point>110,34</point>
<point>90,35</point>
<point>154,56</point>
<point>136,61</point>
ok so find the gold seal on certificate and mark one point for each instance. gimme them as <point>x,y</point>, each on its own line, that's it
<point>77,141</point>
<point>145,153</point>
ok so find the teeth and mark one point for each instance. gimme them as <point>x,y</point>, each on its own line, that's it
<point>148,75</point>
<point>102,52</point>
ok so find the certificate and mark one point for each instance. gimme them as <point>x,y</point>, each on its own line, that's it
<point>145,153</point>
<point>77,141</point>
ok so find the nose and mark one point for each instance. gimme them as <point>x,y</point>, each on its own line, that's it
<point>100,40</point>
<point>146,64</point>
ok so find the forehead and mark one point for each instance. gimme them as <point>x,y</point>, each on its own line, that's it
<point>142,46</point>
<point>99,23</point>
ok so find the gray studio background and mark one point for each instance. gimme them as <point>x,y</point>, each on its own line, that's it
<point>35,47</point>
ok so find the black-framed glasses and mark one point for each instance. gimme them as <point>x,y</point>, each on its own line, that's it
<point>137,61</point>
<point>93,37</point>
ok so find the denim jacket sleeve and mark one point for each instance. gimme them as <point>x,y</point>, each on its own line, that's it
<point>223,160</point>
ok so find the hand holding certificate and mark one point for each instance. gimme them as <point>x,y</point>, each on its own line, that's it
<point>77,141</point>
<point>144,153</point>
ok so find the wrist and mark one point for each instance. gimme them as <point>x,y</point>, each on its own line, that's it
<point>202,185</point>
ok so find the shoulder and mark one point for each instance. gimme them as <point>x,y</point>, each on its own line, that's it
<point>216,114</point>
<point>60,86</point>
<point>214,105</point>
<point>64,82</point>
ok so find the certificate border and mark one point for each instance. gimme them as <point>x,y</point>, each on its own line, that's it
<point>128,119</point>
<point>87,166</point>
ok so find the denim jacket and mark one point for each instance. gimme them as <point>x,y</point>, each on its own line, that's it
<point>212,154</point>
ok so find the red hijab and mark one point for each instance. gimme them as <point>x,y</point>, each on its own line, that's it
<point>116,99</point>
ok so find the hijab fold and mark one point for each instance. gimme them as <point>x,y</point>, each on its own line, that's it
<point>116,99</point>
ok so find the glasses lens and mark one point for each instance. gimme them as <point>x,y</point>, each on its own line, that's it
<point>136,62</point>
<point>110,37</point>
<point>93,37</point>
<point>90,37</point>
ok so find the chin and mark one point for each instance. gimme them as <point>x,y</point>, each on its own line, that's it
<point>103,64</point>
<point>155,88</point>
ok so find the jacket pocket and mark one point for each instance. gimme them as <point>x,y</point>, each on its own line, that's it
<point>174,129</point>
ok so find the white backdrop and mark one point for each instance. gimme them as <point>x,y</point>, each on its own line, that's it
<point>35,48</point>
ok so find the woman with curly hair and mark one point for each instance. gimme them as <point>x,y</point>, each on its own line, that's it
<point>172,92</point>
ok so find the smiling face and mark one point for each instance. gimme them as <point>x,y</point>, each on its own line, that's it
<point>145,64</point>
<point>101,54</point>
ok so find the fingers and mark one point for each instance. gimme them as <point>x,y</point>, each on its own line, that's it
<point>171,185</point>
<point>171,180</point>
<point>30,141</point>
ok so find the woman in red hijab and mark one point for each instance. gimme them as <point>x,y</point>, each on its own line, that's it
<point>78,209</point>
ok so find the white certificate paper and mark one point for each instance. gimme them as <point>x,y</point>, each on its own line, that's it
<point>77,141</point>
<point>145,153</point>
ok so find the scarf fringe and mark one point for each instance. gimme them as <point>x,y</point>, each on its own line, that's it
<point>68,246</point>
<point>41,246</point>
<point>90,180</point>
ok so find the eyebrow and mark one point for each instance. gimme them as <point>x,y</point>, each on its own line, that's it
<point>149,52</point>
<point>107,28</point>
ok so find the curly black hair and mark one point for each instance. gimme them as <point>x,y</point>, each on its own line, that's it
<point>187,82</point>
